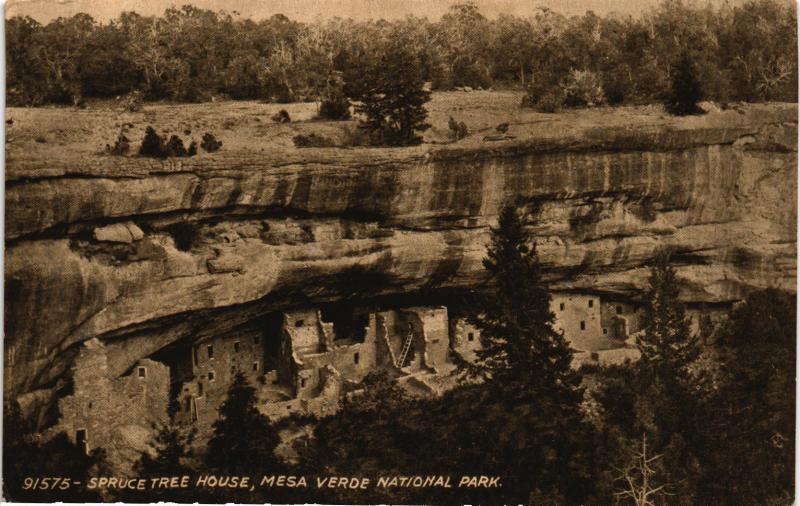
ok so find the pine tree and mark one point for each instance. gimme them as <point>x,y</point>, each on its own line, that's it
<point>666,342</point>
<point>686,90</point>
<point>394,96</point>
<point>244,439</point>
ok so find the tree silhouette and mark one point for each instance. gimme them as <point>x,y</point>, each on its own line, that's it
<point>526,365</point>
<point>244,440</point>
<point>394,96</point>
<point>666,342</point>
<point>686,90</point>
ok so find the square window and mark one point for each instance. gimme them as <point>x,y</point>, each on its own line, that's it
<point>210,349</point>
<point>605,331</point>
<point>470,336</point>
<point>583,325</point>
<point>236,347</point>
<point>142,372</point>
<point>591,303</point>
<point>210,375</point>
<point>299,323</point>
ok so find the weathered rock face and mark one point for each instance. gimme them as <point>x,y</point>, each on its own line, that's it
<point>227,240</point>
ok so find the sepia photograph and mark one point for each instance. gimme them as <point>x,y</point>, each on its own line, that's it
<point>439,252</point>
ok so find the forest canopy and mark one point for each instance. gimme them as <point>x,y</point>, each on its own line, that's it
<point>742,53</point>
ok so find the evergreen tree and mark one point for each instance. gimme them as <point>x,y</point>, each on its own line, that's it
<point>527,367</point>
<point>171,458</point>
<point>666,343</point>
<point>686,90</point>
<point>514,316</point>
<point>244,440</point>
<point>748,421</point>
<point>152,144</point>
<point>393,97</point>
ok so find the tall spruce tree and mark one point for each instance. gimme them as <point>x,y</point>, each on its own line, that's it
<point>244,440</point>
<point>514,315</point>
<point>542,438</point>
<point>666,343</point>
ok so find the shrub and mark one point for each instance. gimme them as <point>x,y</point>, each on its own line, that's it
<point>458,129</point>
<point>544,93</point>
<point>582,88</point>
<point>281,116</point>
<point>152,144</point>
<point>313,140</point>
<point>174,146</point>
<point>335,107</point>
<point>132,102</point>
<point>210,143</point>
<point>120,147</point>
<point>685,91</point>
<point>551,101</point>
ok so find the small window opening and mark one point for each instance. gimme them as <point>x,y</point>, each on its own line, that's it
<point>619,309</point>
<point>355,358</point>
<point>211,376</point>
<point>591,303</point>
<point>255,339</point>
<point>299,323</point>
<point>470,336</point>
<point>142,372</point>
<point>302,382</point>
<point>210,349</point>
<point>595,356</point>
<point>583,325</point>
<point>561,306</point>
<point>255,366</point>
<point>236,347</point>
<point>199,388</point>
<point>90,404</point>
<point>605,331</point>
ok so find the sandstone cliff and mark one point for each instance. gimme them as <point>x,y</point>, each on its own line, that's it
<point>142,253</point>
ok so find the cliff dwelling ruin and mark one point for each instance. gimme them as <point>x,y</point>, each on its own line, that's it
<point>301,362</point>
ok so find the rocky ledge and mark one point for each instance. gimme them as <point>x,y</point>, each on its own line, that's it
<point>142,252</point>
